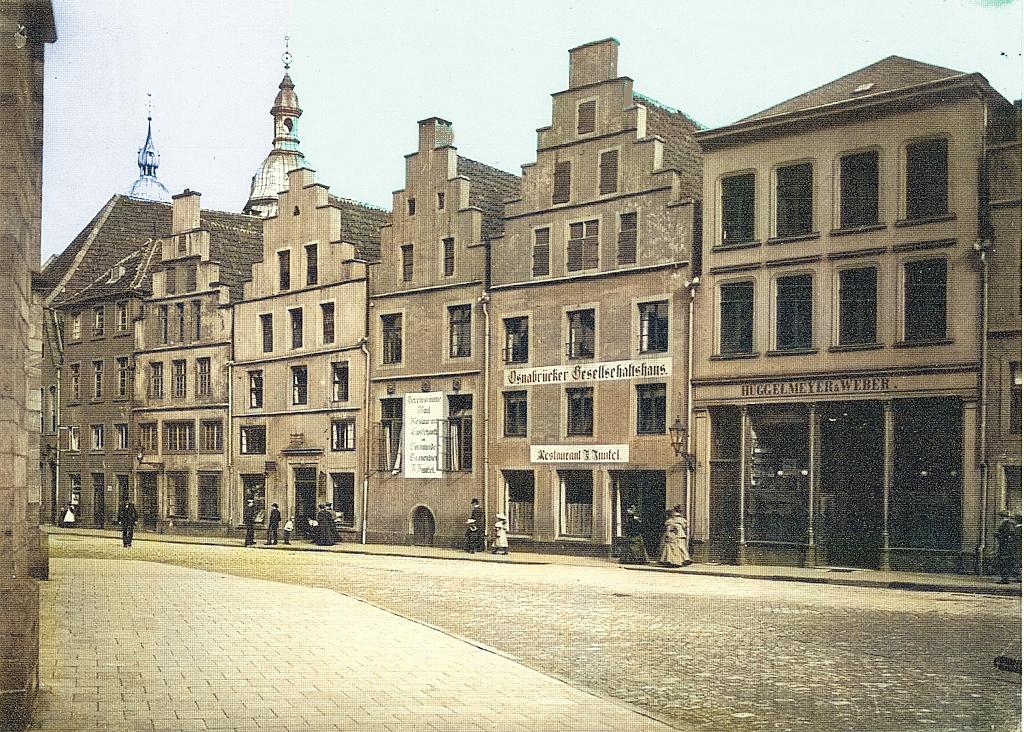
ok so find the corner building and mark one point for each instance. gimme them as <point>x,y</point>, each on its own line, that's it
<point>837,388</point>
<point>589,309</point>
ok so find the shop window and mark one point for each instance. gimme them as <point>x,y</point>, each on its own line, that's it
<point>179,436</point>
<point>858,190</point>
<point>300,385</point>
<point>407,263</point>
<point>577,502</point>
<point>738,209</point>
<point>211,435</point>
<point>1015,397</point>
<point>123,489</point>
<point>267,328</point>
<point>517,340</point>
<point>147,437</point>
<point>178,379</point>
<point>179,309</point>
<point>737,321</point>
<point>515,413</point>
<point>203,376</point>
<point>254,488</point>
<point>123,376</point>
<point>562,183</point>
<point>197,320</point>
<point>581,334</point>
<point>520,491</point>
<point>252,440</point>
<point>339,382</point>
<point>74,439</point>
<point>312,265</point>
<point>295,316</point>
<point>343,435</point>
<point>177,494</point>
<point>344,497</point>
<point>581,252</point>
<point>389,449</point>
<point>457,434</point>
<point>156,380</point>
<point>777,496</point>
<point>121,433</point>
<point>97,380</point>
<point>653,326</point>
<point>858,306</point>
<point>98,435</point>
<point>626,253</point>
<point>541,252</point>
<point>75,490</point>
<point>76,382</point>
<point>586,116</point>
<point>794,200</point>
<point>793,308</point>
<point>609,172</point>
<point>391,329</point>
<point>122,316</point>
<point>209,496</point>
<point>459,331</point>
<point>284,270</point>
<point>927,179</point>
<point>165,324</point>
<point>579,411</point>
<point>448,256</point>
<point>924,303</point>
<point>255,389</point>
<point>327,321</point>
<point>650,409</point>
<point>1012,478</point>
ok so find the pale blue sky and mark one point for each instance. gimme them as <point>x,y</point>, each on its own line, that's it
<point>365,72</point>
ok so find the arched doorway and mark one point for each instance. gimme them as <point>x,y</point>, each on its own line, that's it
<point>422,526</point>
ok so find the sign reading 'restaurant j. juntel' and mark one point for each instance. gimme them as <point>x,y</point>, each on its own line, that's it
<point>584,372</point>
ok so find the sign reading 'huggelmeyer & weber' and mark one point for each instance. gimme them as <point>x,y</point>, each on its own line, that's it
<point>605,371</point>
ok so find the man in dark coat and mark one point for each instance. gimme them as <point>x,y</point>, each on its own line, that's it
<point>479,538</point>
<point>1006,551</point>
<point>324,527</point>
<point>249,518</point>
<point>275,521</point>
<point>127,517</point>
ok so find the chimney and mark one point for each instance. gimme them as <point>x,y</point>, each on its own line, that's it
<point>435,132</point>
<point>185,211</point>
<point>593,62</point>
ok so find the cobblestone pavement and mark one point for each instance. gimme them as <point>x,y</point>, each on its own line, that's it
<point>705,653</point>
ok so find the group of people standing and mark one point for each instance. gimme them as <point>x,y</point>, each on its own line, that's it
<point>476,539</point>
<point>675,539</point>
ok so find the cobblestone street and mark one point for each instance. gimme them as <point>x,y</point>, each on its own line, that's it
<point>705,653</point>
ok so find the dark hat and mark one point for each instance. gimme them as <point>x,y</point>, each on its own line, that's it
<point>273,505</point>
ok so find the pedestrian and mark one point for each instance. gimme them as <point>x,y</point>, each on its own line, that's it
<point>673,541</point>
<point>1006,553</point>
<point>335,531</point>
<point>69,517</point>
<point>289,527</point>
<point>634,551</point>
<point>474,537</point>
<point>324,527</point>
<point>127,517</point>
<point>1016,546</point>
<point>275,521</point>
<point>500,534</point>
<point>249,518</point>
<point>476,514</point>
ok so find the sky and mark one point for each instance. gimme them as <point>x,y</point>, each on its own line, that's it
<point>365,72</point>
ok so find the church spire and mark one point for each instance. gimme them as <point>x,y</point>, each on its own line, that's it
<point>146,187</point>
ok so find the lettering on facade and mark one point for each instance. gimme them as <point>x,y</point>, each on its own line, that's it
<point>579,453</point>
<point>606,371</point>
<point>421,443</point>
<point>814,387</point>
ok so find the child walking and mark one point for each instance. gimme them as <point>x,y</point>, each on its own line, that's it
<point>289,527</point>
<point>500,534</point>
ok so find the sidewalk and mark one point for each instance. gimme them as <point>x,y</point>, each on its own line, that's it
<point>923,582</point>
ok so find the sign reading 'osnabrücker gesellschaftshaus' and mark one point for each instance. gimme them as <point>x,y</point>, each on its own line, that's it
<point>605,371</point>
<point>579,453</point>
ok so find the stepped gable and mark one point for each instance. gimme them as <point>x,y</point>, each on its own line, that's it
<point>888,75</point>
<point>360,226</point>
<point>489,190</point>
<point>680,151</point>
<point>236,242</point>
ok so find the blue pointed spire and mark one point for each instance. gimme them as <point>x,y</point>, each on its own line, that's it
<point>146,187</point>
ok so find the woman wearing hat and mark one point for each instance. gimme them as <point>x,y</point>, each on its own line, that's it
<point>673,542</point>
<point>500,534</point>
<point>474,537</point>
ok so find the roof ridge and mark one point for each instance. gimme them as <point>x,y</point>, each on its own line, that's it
<point>367,206</point>
<point>97,224</point>
<point>489,167</point>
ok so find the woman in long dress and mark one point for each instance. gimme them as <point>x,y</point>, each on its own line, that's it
<point>673,542</point>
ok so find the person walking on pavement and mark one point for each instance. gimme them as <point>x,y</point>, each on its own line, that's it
<point>673,546</point>
<point>289,527</point>
<point>474,537</point>
<point>324,527</point>
<point>69,517</point>
<point>634,552</point>
<point>127,517</point>
<point>476,515</point>
<point>1006,553</point>
<point>275,521</point>
<point>249,518</point>
<point>500,535</point>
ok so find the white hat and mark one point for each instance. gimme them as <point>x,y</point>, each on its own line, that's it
<point>500,516</point>
<point>470,521</point>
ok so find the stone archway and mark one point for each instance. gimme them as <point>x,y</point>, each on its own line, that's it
<point>422,526</point>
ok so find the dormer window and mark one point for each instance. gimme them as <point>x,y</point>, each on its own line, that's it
<point>116,273</point>
<point>586,113</point>
<point>864,87</point>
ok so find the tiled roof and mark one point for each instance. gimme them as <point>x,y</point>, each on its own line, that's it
<point>360,226</point>
<point>236,242</point>
<point>681,151</point>
<point>889,74</point>
<point>132,281</point>
<point>489,189</point>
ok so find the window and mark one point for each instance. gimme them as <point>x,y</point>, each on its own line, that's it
<point>391,326</point>
<point>156,380</point>
<point>738,209</point>
<point>98,435</point>
<point>147,437</point>
<point>541,252</point>
<point>171,280</point>
<point>857,306</point>
<point>653,327</point>
<point>577,502</point>
<point>203,376</point>
<point>794,301</point>
<point>178,379</point>
<point>252,440</point>
<point>457,434</point>
<point>459,331</point>
<point>858,190</point>
<point>389,454</point>
<point>180,308</point>
<point>211,436</point>
<point>581,334</point>
<point>411,206</point>
<point>794,200</point>
<point>520,493</point>
<point>190,278</point>
<point>627,239</point>
<point>1015,397</point>
<point>97,382</point>
<point>609,173</point>
<point>650,409</point>
<point>75,481</point>
<point>300,385</point>
<point>517,340</point>
<point>98,320</point>
<point>737,335</point>
<point>327,321</point>
<point>295,315</point>
<point>209,496</point>
<point>76,382</point>
<point>197,320</point>
<point>448,245</point>
<point>255,389</point>
<point>344,495</point>
<point>586,114</point>
<point>516,406</point>
<point>582,250</point>
<point>123,376</point>
<point>177,490</point>
<point>312,273</point>
<point>122,316</point>
<point>339,382</point>
<point>267,327</point>
<point>563,182</point>
<point>76,326</point>
<point>165,329</point>
<point>179,436</point>
<point>284,270</point>
<point>343,435</point>
<point>407,263</point>
<point>927,179</point>
<point>440,201</point>
<point>580,411</point>
<point>121,435</point>
<point>74,439</point>
<point>924,305</point>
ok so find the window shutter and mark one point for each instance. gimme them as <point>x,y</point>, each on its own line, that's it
<point>590,245</point>
<point>574,251</point>
<point>585,114</point>
<point>627,238</point>
<point>563,182</point>
<point>609,171</point>
<point>541,252</point>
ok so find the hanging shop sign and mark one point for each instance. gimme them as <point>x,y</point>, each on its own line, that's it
<point>421,445</point>
<point>584,372</point>
<point>579,453</point>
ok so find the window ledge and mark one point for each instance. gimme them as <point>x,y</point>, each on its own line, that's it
<point>733,356</point>
<point>923,343</point>
<point>795,237</point>
<point>792,352</point>
<point>844,347</point>
<point>730,246</point>
<point>857,229</point>
<point>926,220</point>
<point>653,352</point>
<point>581,539</point>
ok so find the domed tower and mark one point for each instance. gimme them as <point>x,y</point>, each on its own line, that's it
<point>272,176</point>
<point>146,187</point>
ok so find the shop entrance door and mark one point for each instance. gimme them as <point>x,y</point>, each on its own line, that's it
<point>305,492</point>
<point>147,499</point>
<point>849,521</point>
<point>99,503</point>
<point>644,489</point>
<point>422,527</point>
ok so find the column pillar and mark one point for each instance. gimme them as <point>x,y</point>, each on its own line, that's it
<point>744,467</point>
<point>813,479</point>
<point>973,537</point>
<point>888,461</point>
